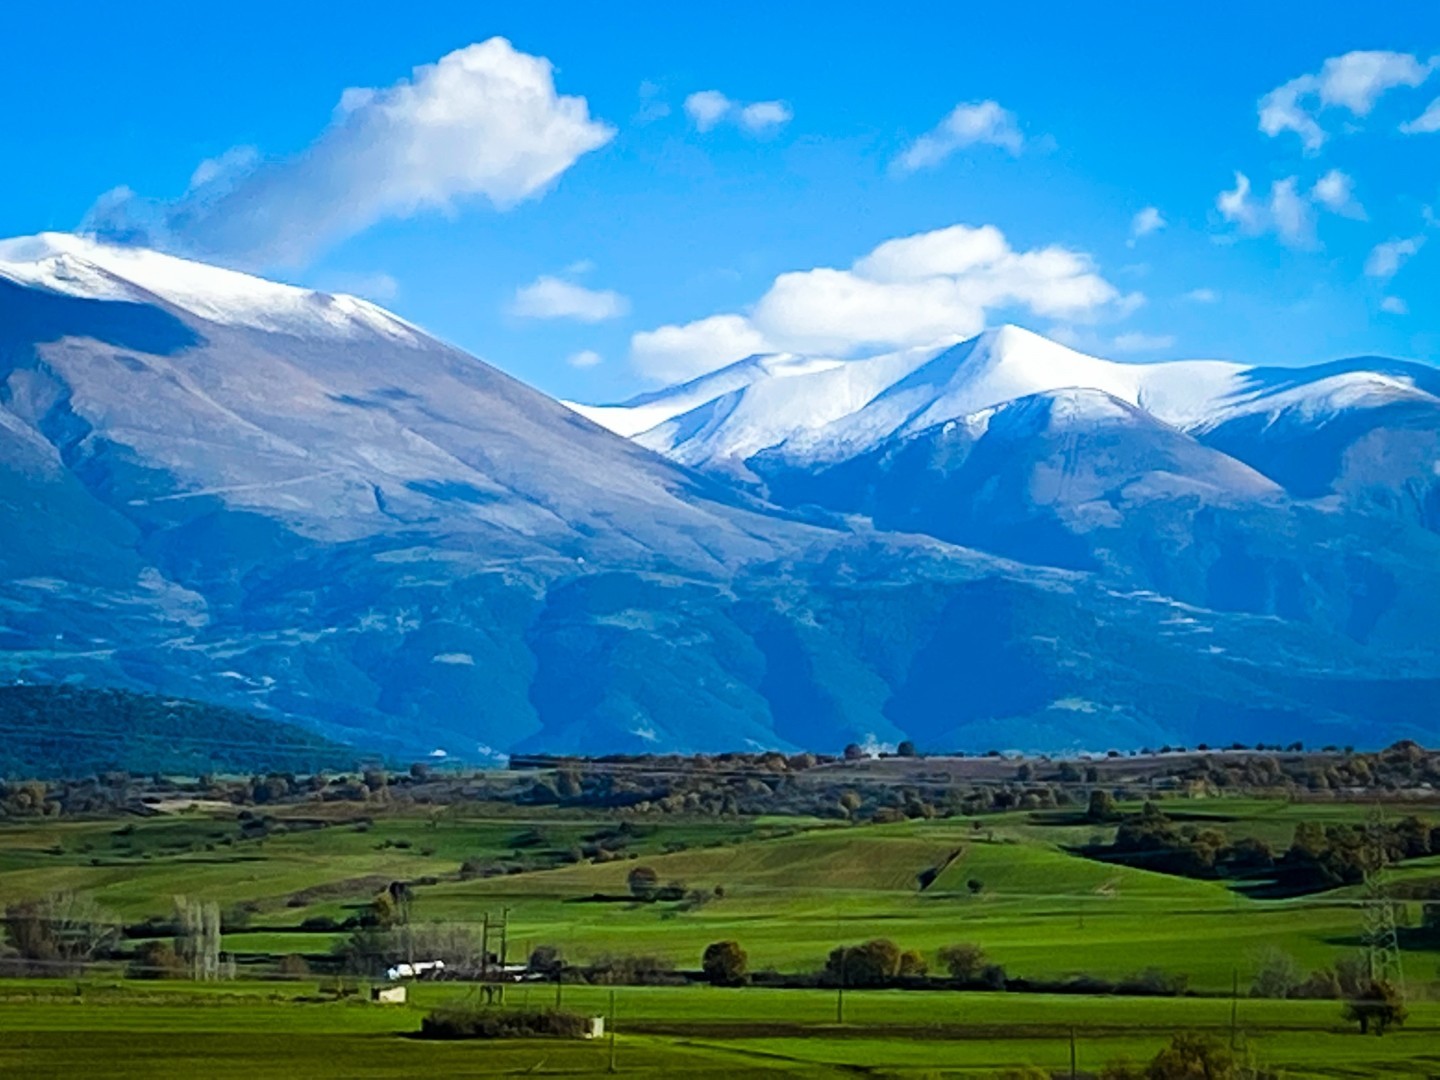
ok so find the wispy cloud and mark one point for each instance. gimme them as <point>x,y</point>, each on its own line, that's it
<point>1393,305</point>
<point>554,298</point>
<point>1288,210</point>
<point>1202,296</point>
<point>1144,223</point>
<point>483,122</point>
<point>1427,123</point>
<point>708,109</point>
<point>968,124</point>
<point>585,358</point>
<point>1354,81</point>
<point>1335,191</point>
<point>1386,259</point>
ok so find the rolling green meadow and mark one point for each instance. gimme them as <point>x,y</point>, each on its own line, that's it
<point>788,889</point>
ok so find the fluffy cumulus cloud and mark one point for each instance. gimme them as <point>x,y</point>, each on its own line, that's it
<point>483,123</point>
<point>929,288</point>
<point>968,124</point>
<point>554,298</point>
<point>1386,259</point>
<point>1354,81</point>
<point>708,109</point>
<point>1288,210</point>
<point>1146,222</point>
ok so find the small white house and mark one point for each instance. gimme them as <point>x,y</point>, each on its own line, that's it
<point>595,1027</point>
<point>388,995</point>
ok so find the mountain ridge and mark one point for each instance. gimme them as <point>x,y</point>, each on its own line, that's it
<point>270,499</point>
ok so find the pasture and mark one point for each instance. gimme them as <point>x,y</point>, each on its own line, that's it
<point>789,890</point>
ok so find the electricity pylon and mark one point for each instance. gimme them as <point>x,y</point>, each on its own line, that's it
<point>1382,939</point>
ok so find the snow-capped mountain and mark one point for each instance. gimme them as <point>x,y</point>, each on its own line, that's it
<point>230,489</point>
<point>822,411</point>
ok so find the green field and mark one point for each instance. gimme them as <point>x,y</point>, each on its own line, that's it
<point>791,890</point>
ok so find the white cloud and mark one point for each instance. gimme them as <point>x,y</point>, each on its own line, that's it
<point>1202,296</point>
<point>1238,207</point>
<point>1138,342</point>
<point>1144,223</point>
<point>1291,214</point>
<point>483,122</point>
<point>1354,81</point>
<point>1336,192</point>
<point>553,298</point>
<point>585,358</point>
<point>915,290</point>
<point>1393,305</point>
<point>1386,259</point>
<point>674,353</point>
<point>709,108</point>
<point>1287,210</point>
<point>765,115</point>
<point>968,124</point>
<point>1426,123</point>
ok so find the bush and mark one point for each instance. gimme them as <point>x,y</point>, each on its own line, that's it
<point>632,970</point>
<point>1279,976</point>
<point>725,963</point>
<point>469,1023</point>
<point>156,960</point>
<point>547,960</point>
<point>963,960</point>
<point>643,882</point>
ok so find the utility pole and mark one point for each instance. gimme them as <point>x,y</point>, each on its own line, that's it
<point>612,1032</point>
<point>1234,1003</point>
<point>485,947</point>
<point>1072,1054</point>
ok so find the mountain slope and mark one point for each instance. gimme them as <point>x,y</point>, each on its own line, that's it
<point>225,489</point>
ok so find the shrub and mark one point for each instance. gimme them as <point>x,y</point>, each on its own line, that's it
<point>643,882</point>
<point>156,960</point>
<point>963,960</point>
<point>471,1023</point>
<point>1278,977</point>
<point>725,963</point>
<point>1190,1055</point>
<point>547,960</point>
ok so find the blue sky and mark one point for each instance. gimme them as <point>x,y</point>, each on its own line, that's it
<point>822,137</point>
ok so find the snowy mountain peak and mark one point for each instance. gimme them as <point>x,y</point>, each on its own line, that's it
<point>92,269</point>
<point>814,410</point>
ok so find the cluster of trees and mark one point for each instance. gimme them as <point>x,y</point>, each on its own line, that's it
<point>57,935</point>
<point>1320,856</point>
<point>1374,1004</point>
